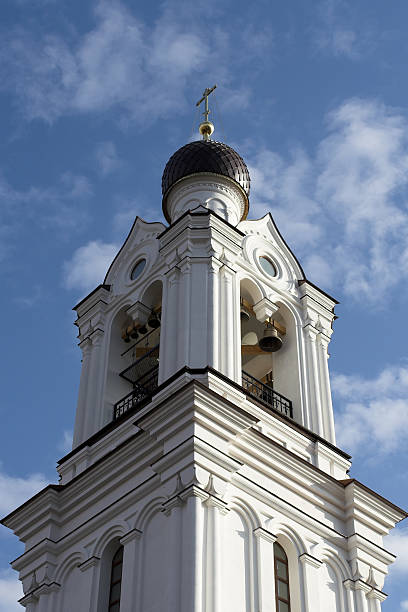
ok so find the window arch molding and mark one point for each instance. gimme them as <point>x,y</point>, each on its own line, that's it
<point>292,555</point>
<point>105,574</point>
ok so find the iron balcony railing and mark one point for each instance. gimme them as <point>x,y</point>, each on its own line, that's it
<point>143,374</point>
<point>275,400</point>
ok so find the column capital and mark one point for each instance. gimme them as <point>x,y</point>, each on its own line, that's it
<point>91,562</point>
<point>360,585</point>
<point>133,534</point>
<point>264,534</point>
<point>307,559</point>
<point>85,345</point>
<point>46,588</point>
<point>170,504</point>
<point>193,491</point>
<point>96,336</point>
<point>311,332</point>
<point>215,502</point>
<point>377,594</point>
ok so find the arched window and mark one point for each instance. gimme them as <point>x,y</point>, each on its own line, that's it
<point>281,579</point>
<point>116,581</point>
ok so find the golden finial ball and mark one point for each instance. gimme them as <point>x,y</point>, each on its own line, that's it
<point>206,128</point>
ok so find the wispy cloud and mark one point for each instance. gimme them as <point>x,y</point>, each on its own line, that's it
<point>122,63</point>
<point>397,543</point>
<point>10,591</point>
<point>338,33</point>
<point>373,413</point>
<point>30,299</point>
<point>59,207</point>
<point>15,490</point>
<point>345,207</point>
<point>107,158</point>
<point>65,444</point>
<point>88,265</point>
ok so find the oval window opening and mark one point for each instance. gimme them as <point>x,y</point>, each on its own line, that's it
<point>138,269</point>
<point>267,266</point>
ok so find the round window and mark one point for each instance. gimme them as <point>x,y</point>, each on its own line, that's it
<point>138,269</point>
<point>267,266</point>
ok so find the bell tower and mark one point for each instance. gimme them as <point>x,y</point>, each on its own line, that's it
<point>204,474</point>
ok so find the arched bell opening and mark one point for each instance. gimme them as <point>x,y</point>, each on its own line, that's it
<point>135,363</point>
<point>263,341</point>
<point>116,386</point>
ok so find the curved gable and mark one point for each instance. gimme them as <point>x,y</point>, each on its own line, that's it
<point>140,242</point>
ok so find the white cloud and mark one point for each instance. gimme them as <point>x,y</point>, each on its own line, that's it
<point>373,414</point>
<point>65,445</point>
<point>10,591</point>
<point>88,265</point>
<point>15,490</point>
<point>404,605</point>
<point>107,158</point>
<point>339,32</point>
<point>30,299</point>
<point>345,208</point>
<point>58,206</point>
<point>397,543</point>
<point>142,71</point>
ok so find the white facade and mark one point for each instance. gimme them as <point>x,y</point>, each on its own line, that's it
<point>198,481</point>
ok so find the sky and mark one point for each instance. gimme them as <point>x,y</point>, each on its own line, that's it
<point>94,98</point>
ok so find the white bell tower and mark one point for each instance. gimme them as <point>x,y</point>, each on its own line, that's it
<point>204,475</point>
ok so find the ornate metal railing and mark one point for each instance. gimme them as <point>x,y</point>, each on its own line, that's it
<point>143,374</point>
<point>268,395</point>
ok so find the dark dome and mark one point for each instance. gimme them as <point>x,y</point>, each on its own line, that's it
<point>205,156</point>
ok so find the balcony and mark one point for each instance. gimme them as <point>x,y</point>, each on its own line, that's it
<point>267,394</point>
<point>143,374</point>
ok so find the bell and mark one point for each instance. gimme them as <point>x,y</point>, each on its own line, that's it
<point>153,320</point>
<point>142,329</point>
<point>270,343</point>
<point>244,314</point>
<point>134,334</point>
<point>125,336</point>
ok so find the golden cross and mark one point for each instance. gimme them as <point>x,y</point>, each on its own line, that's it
<point>206,93</point>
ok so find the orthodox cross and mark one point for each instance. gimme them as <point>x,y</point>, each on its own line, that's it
<point>206,93</point>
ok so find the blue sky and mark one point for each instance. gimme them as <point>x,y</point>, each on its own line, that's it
<point>95,97</point>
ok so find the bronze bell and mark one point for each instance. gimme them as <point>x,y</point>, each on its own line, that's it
<point>270,342</point>
<point>125,335</point>
<point>243,313</point>
<point>153,320</point>
<point>134,333</point>
<point>142,329</point>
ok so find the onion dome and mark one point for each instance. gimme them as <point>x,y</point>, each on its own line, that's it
<point>206,157</point>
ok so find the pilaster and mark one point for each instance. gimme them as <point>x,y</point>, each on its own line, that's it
<point>91,567</point>
<point>86,348</point>
<point>94,415</point>
<point>131,544</point>
<point>361,590</point>
<point>310,567</point>
<point>215,508</point>
<point>312,378</point>
<point>266,569</point>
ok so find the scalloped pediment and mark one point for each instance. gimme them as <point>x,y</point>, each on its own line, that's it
<point>265,231</point>
<point>141,242</point>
